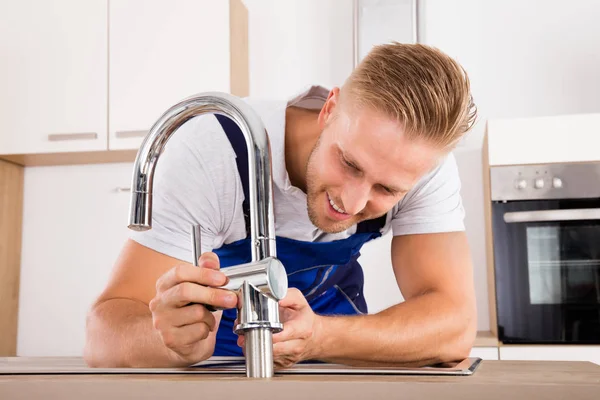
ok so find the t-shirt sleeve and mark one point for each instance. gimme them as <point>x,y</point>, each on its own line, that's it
<point>185,190</point>
<point>433,205</point>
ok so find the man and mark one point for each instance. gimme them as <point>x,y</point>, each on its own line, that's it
<point>349,164</point>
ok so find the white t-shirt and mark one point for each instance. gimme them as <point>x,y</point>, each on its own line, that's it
<point>196,181</point>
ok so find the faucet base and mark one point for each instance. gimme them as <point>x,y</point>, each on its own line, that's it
<point>259,318</point>
<point>259,353</point>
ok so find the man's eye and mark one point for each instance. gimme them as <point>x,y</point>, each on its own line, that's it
<point>347,164</point>
<point>388,190</point>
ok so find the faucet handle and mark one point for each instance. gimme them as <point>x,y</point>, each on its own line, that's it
<point>197,251</point>
<point>196,243</point>
<point>267,276</point>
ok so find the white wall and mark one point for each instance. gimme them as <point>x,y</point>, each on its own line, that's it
<point>297,43</point>
<point>525,58</point>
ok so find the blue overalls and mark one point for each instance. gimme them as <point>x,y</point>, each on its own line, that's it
<point>327,273</point>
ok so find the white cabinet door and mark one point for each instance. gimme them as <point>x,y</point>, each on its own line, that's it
<point>74,225</point>
<point>551,352</point>
<point>162,51</point>
<point>485,353</point>
<point>53,75</point>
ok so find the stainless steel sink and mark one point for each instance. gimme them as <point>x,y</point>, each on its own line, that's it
<point>230,365</point>
<point>220,365</point>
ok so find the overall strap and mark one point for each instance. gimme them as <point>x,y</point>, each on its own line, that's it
<point>371,225</point>
<point>238,143</point>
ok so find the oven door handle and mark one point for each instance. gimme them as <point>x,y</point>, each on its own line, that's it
<point>572,214</point>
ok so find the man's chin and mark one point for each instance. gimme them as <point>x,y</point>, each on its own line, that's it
<point>334,227</point>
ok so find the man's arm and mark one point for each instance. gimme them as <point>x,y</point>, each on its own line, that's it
<point>121,329</point>
<point>436,322</point>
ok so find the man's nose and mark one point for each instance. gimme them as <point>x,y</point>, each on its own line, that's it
<point>355,196</point>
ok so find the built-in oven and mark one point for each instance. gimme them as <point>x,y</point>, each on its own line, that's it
<point>546,246</point>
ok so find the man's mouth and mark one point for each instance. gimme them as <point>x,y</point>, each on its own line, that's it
<point>335,206</point>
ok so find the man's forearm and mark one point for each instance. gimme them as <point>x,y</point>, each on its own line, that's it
<point>421,331</point>
<point>120,334</point>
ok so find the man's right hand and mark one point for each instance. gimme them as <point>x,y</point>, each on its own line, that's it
<point>177,310</point>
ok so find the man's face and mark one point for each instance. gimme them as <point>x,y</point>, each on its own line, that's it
<point>361,166</point>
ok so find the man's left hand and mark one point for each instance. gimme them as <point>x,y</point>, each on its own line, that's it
<point>300,327</point>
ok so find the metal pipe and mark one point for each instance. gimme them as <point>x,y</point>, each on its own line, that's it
<point>259,342</point>
<point>259,311</point>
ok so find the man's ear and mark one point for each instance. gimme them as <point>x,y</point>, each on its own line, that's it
<point>327,110</point>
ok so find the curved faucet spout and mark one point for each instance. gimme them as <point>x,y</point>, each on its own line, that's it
<point>259,164</point>
<point>258,313</point>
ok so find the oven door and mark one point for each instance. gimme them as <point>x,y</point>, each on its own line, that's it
<point>547,270</point>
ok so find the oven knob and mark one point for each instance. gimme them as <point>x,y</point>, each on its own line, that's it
<point>557,183</point>
<point>539,183</point>
<point>521,184</point>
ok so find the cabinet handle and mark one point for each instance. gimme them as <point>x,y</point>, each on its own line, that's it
<point>55,137</point>
<point>130,134</point>
<point>123,189</point>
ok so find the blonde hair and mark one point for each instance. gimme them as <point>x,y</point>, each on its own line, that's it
<point>423,88</point>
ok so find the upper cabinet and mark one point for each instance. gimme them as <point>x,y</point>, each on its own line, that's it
<point>53,76</point>
<point>161,52</point>
<point>79,79</point>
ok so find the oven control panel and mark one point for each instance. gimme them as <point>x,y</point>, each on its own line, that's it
<point>545,181</point>
<point>539,183</point>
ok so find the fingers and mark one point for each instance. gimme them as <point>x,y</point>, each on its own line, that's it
<point>209,260</point>
<point>177,338</point>
<point>294,300</point>
<point>178,311</point>
<point>192,314</point>
<point>165,320</point>
<point>207,276</point>
<point>187,292</point>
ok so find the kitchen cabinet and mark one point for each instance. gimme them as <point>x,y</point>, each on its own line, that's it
<point>551,353</point>
<point>549,135</point>
<point>53,76</point>
<point>74,225</point>
<point>162,51</point>
<point>82,82</point>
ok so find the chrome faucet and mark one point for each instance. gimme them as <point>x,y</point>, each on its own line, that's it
<point>261,283</point>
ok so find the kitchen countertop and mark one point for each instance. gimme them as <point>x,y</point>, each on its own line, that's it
<point>491,380</point>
